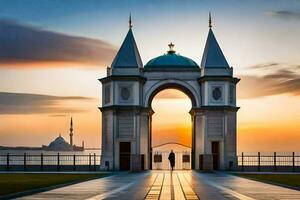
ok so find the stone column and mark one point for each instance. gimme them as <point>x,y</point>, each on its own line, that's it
<point>144,138</point>
<point>206,162</point>
<point>115,141</point>
<point>136,162</point>
<point>107,147</point>
<point>199,136</point>
<point>230,160</point>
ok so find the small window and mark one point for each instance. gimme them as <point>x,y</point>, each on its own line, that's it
<point>217,93</point>
<point>107,94</point>
<point>125,93</point>
<point>231,94</point>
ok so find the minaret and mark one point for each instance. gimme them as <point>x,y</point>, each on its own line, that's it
<point>71,133</point>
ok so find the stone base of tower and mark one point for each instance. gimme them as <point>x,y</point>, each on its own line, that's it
<point>231,163</point>
<point>106,163</point>
<point>206,162</point>
<point>137,162</point>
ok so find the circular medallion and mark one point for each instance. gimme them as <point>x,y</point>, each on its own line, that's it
<point>217,93</point>
<point>125,93</point>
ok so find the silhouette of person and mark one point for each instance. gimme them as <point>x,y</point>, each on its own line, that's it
<point>172,159</point>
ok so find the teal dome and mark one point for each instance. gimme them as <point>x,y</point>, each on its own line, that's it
<point>171,60</point>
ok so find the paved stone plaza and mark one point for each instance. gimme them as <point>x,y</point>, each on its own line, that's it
<point>167,185</point>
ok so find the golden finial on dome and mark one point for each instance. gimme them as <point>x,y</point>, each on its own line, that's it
<point>171,46</point>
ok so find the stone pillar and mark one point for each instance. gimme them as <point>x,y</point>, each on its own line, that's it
<point>230,161</point>
<point>107,147</point>
<point>144,137</point>
<point>198,145</point>
<point>137,161</point>
<point>115,141</point>
<point>206,162</point>
<point>151,112</point>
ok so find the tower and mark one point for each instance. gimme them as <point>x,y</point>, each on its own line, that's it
<point>121,103</point>
<point>71,132</point>
<point>217,115</point>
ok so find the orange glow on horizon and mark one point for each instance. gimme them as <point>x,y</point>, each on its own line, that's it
<point>177,124</point>
<point>264,124</point>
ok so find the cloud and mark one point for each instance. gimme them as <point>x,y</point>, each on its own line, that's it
<point>264,65</point>
<point>271,66</point>
<point>23,103</point>
<point>21,44</point>
<point>58,115</point>
<point>279,82</point>
<point>286,14</point>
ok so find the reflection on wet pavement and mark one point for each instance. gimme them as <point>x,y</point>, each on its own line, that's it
<point>170,185</point>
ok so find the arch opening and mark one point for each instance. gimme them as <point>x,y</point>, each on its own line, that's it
<point>171,127</point>
<point>174,86</point>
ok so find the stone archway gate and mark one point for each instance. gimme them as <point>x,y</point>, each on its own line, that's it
<point>127,93</point>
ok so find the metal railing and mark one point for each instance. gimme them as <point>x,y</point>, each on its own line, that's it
<point>160,160</point>
<point>273,160</point>
<point>49,162</point>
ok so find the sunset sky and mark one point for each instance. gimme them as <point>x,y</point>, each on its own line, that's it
<point>53,52</point>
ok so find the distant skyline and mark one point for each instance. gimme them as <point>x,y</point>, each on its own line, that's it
<point>52,53</point>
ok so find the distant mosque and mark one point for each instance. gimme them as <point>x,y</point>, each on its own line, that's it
<point>60,144</point>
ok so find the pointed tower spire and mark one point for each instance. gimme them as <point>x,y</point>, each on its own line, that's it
<point>128,55</point>
<point>212,55</point>
<point>209,21</point>
<point>130,22</point>
<point>71,132</point>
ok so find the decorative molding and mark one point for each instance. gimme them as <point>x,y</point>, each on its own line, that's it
<point>117,108</point>
<point>170,69</point>
<point>204,109</point>
<point>219,78</point>
<point>122,78</point>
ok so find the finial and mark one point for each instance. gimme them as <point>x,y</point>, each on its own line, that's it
<point>171,50</point>
<point>130,22</point>
<point>71,121</point>
<point>209,20</point>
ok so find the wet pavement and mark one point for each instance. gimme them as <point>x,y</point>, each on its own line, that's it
<point>170,185</point>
